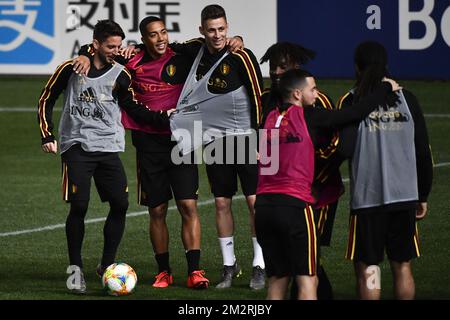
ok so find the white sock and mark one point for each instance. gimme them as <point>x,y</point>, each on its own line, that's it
<point>227,248</point>
<point>258,259</point>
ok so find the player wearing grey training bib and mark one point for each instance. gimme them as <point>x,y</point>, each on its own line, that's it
<point>91,135</point>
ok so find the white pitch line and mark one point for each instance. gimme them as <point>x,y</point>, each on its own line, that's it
<point>442,164</point>
<point>132,214</point>
<point>140,213</point>
<point>436,115</point>
<point>22,109</point>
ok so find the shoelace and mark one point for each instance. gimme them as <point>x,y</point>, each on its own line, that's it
<point>198,273</point>
<point>230,272</point>
<point>161,276</point>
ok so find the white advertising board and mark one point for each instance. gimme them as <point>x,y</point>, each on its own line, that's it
<point>37,35</point>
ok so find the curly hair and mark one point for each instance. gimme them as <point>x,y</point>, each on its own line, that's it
<point>291,52</point>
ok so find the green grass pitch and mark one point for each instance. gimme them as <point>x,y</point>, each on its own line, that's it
<point>33,264</point>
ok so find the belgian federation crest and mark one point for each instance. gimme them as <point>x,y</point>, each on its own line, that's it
<point>225,69</point>
<point>171,70</point>
<point>140,70</point>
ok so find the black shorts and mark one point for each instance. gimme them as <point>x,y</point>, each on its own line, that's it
<point>229,165</point>
<point>223,179</point>
<point>158,178</point>
<point>371,234</point>
<point>287,235</point>
<point>325,221</point>
<point>78,168</point>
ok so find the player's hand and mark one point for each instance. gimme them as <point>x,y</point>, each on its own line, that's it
<point>234,44</point>
<point>81,65</point>
<point>50,147</point>
<point>170,111</point>
<point>422,209</point>
<point>395,85</point>
<point>128,52</point>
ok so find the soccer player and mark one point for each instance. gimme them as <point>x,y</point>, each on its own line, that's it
<point>158,75</point>
<point>229,86</point>
<point>391,174</point>
<point>328,187</point>
<point>90,137</point>
<point>285,223</point>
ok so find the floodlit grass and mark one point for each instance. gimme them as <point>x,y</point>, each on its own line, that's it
<point>33,265</point>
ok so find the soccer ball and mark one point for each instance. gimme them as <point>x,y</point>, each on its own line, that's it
<point>119,279</point>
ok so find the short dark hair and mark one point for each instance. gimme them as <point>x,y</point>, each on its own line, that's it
<point>146,21</point>
<point>107,28</point>
<point>291,80</point>
<point>291,52</point>
<point>213,11</point>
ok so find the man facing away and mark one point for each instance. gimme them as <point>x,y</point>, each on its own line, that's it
<point>391,173</point>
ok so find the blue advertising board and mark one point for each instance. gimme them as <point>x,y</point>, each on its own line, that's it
<point>25,26</point>
<point>416,34</point>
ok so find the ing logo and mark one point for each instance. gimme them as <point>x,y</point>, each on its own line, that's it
<point>28,29</point>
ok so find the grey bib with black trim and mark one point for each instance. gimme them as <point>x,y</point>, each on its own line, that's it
<point>217,114</point>
<point>383,168</point>
<point>91,116</point>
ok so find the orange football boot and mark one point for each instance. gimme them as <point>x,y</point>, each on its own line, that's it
<point>163,280</point>
<point>197,280</point>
